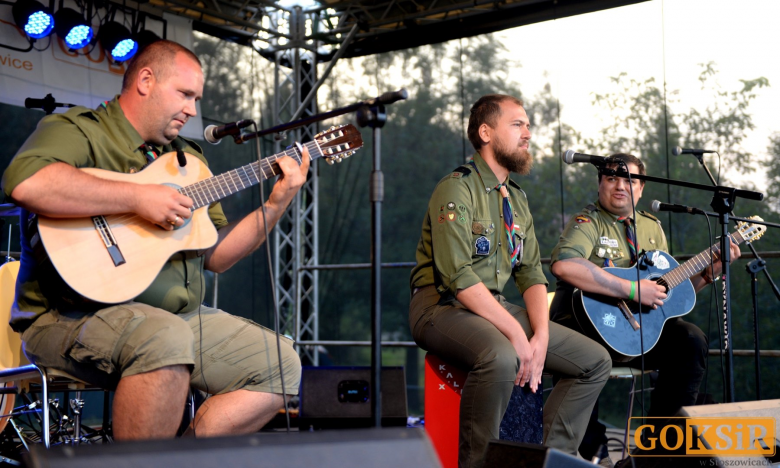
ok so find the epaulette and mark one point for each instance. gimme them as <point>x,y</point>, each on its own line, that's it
<point>80,111</point>
<point>591,208</point>
<point>192,143</point>
<point>648,215</point>
<point>462,171</point>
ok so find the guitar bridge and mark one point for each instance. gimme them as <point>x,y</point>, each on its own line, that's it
<point>109,240</point>
<point>627,314</point>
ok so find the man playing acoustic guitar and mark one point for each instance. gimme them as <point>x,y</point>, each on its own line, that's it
<point>598,237</point>
<point>153,348</point>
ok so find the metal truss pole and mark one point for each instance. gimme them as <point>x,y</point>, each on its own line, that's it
<point>296,236</point>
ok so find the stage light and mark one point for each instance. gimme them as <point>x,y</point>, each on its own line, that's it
<point>33,17</point>
<point>72,28</point>
<point>117,41</point>
<point>144,38</point>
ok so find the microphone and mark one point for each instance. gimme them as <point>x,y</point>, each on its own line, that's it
<point>389,97</point>
<point>657,206</point>
<point>47,104</point>
<point>214,134</point>
<point>571,157</point>
<point>694,151</point>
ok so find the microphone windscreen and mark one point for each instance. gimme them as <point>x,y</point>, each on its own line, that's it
<point>655,207</point>
<point>208,135</point>
<point>676,151</point>
<point>568,156</point>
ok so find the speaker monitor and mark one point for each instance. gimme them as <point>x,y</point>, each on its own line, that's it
<point>338,397</point>
<point>764,408</point>
<point>504,453</point>
<point>756,409</point>
<point>390,448</point>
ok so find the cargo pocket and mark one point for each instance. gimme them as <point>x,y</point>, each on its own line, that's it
<point>96,341</point>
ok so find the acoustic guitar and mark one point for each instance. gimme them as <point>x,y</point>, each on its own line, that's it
<point>114,258</point>
<point>615,323</point>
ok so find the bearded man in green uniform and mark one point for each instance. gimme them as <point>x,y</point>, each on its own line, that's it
<point>153,348</point>
<point>597,237</point>
<point>476,234</point>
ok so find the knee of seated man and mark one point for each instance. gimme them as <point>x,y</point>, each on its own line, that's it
<point>263,372</point>
<point>501,361</point>
<point>292,368</point>
<point>697,340</point>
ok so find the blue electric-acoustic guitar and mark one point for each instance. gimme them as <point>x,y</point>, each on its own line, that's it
<point>615,323</point>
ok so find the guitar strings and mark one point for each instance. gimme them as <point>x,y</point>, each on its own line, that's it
<point>196,191</point>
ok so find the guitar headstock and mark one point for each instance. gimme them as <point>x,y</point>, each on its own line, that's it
<point>338,143</point>
<point>751,232</point>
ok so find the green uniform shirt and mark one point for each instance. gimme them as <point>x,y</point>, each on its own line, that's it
<point>463,241</point>
<point>596,234</point>
<point>104,139</point>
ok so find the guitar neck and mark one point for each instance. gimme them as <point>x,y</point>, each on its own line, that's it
<point>216,188</point>
<point>697,263</point>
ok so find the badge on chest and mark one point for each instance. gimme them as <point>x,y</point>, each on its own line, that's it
<point>482,246</point>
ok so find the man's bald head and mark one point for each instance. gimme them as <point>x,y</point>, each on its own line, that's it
<point>160,57</point>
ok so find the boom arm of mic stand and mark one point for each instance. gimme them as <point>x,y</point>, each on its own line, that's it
<point>746,194</point>
<point>386,98</point>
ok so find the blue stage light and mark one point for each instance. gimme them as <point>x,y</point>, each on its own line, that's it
<point>117,41</point>
<point>33,17</point>
<point>72,28</point>
<point>124,50</point>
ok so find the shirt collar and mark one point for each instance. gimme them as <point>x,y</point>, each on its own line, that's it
<point>489,179</point>
<point>126,133</point>
<point>610,214</point>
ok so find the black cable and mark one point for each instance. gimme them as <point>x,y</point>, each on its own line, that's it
<point>712,295</point>
<point>200,338</point>
<point>638,286</point>
<point>272,279</point>
<point>462,100</point>
<point>32,44</point>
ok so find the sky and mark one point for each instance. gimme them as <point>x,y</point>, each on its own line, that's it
<point>661,39</point>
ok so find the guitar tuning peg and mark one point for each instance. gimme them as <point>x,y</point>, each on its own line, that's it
<point>338,160</point>
<point>329,160</point>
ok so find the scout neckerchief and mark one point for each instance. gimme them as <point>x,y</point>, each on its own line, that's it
<point>149,151</point>
<point>509,221</point>
<point>630,236</point>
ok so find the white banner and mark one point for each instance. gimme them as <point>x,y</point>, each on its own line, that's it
<point>70,77</point>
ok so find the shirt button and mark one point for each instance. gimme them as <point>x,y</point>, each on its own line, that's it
<point>487,189</point>
<point>498,272</point>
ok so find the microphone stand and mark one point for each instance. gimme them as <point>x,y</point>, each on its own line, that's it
<point>723,200</point>
<point>753,268</point>
<point>370,113</point>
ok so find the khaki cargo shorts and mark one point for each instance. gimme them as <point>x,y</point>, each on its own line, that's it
<point>132,338</point>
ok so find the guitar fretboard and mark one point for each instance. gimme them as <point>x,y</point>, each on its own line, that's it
<point>216,188</point>
<point>697,263</point>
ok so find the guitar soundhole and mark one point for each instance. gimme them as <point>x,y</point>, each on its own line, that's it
<point>662,282</point>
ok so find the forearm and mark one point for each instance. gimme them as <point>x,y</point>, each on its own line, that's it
<point>63,191</point>
<point>480,301</point>
<point>238,240</point>
<point>586,276</point>
<point>535,299</point>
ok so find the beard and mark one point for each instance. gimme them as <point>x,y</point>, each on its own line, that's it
<point>513,159</point>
